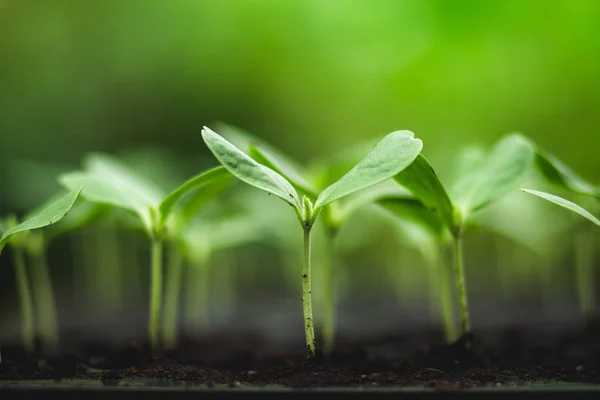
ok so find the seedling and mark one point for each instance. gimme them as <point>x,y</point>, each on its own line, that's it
<point>108,181</point>
<point>475,190</point>
<point>310,182</point>
<point>389,157</point>
<point>15,237</point>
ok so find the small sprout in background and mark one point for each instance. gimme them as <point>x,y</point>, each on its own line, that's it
<point>478,187</point>
<point>564,178</point>
<point>108,181</point>
<point>392,154</point>
<point>15,236</point>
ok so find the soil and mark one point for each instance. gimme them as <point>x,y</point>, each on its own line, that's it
<point>483,359</point>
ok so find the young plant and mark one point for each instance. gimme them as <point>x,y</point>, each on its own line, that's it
<point>479,187</point>
<point>389,157</point>
<point>15,236</point>
<point>162,215</point>
<point>310,182</point>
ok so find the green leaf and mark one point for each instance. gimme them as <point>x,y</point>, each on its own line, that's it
<point>98,189</point>
<point>390,156</point>
<point>324,173</point>
<point>51,214</point>
<point>269,156</point>
<point>248,170</point>
<point>564,203</point>
<point>106,180</point>
<point>502,171</point>
<point>562,176</point>
<point>199,181</point>
<point>285,167</point>
<point>422,181</point>
<point>412,209</point>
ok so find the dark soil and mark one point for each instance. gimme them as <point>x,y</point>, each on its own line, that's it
<point>509,358</point>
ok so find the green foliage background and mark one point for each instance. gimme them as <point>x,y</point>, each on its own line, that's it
<point>313,77</point>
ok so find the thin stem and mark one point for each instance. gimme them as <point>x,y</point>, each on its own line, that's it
<point>328,331</point>
<point>25,299</point>
<point>172,290</point>
<point>309,329</point>
<point>465,322</point>
<point>43,296</point>
<point>155,292</point>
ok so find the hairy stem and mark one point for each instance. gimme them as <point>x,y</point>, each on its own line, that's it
<point>155,292</point>
<point>328,331</point>
<point>43,296</point>
<point>309,329</point>
<point>172,290</point>
<point>584,271</point>
<point>465,322</point>
<point>25,299</point>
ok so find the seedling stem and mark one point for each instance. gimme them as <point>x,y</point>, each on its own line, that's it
<point>309,329</point>
<point>465,321</point>
<point>156,291</point>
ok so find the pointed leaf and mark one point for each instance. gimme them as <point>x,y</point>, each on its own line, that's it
<point>390,156</point>
<point>200,181</point>
<point>285,167</point>
<point>412,209</point>
<point>564,203</point>
<point>422,181</point>
<point>248,170</point>
<point>51,214</point>
<point>559,174</point>
<point>502,171</point>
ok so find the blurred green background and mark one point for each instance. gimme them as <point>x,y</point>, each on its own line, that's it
<point>313,77</point>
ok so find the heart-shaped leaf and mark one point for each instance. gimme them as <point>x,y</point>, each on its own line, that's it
<point>559,174</point>
<point>390,156</point>
<point>564,203</point>
<point>49,215</point>
<point>502,171</point>
<point>248,170</point>
<point>422,181</point>
<point>215,175</point>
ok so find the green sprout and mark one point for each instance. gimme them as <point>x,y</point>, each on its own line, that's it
<point>162,216</point>
<point>16,237</point>
<point>310,182</point>
<point>389,157</point>
<point>477,188</point>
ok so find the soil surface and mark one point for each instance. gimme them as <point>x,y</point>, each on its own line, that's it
<point>484,359</point>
